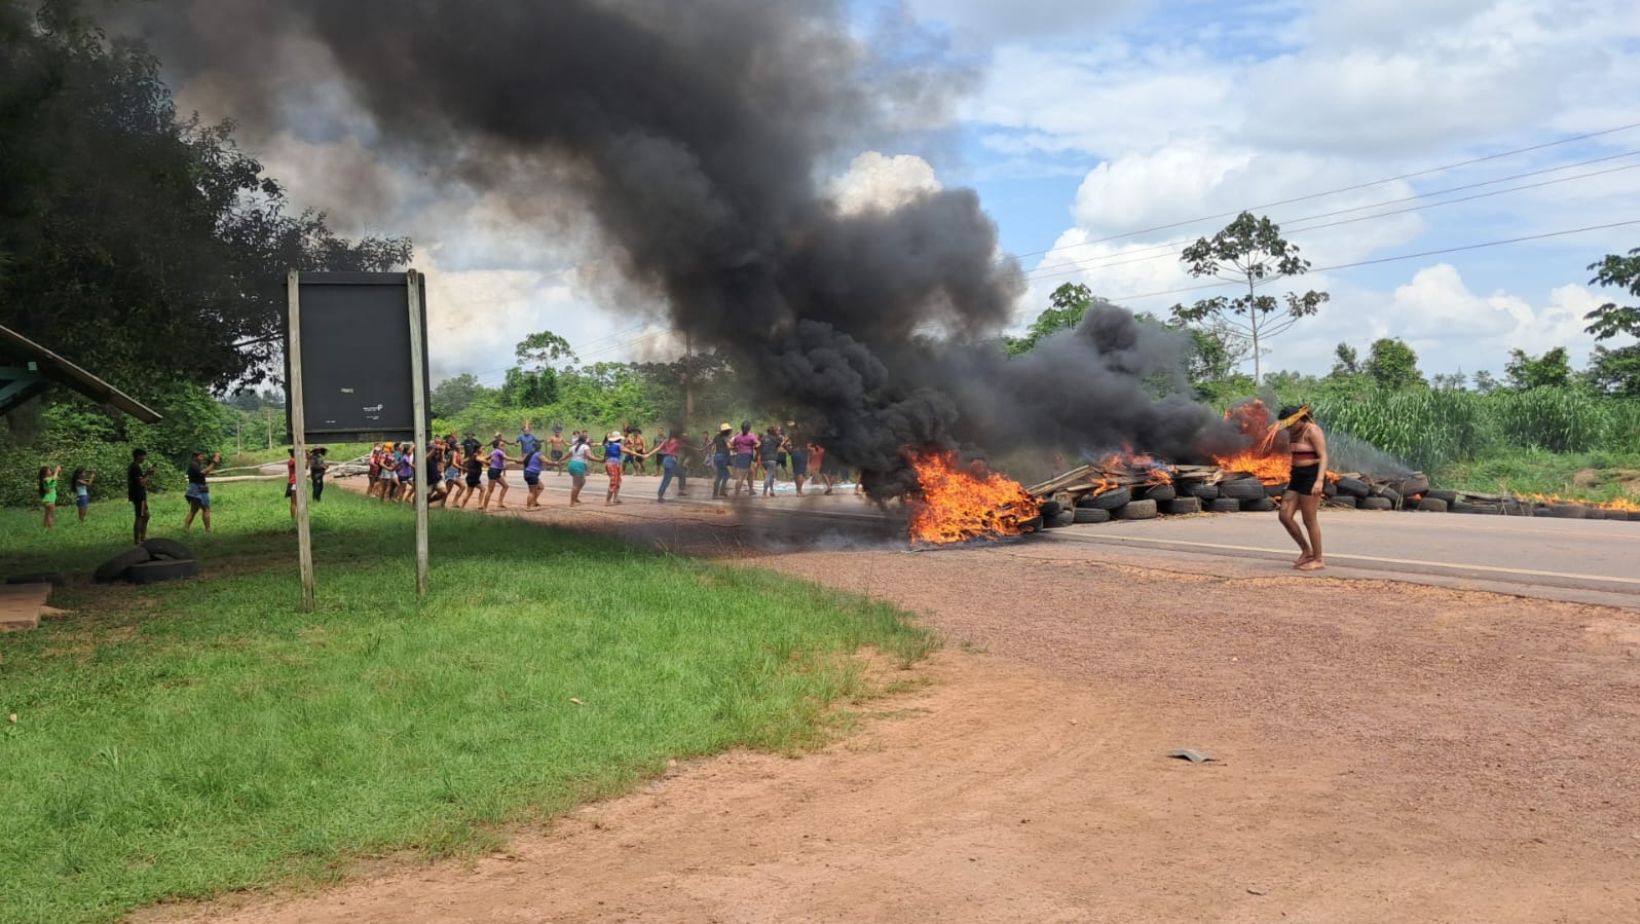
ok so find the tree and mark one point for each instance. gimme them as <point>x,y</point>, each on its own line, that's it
<point>1346,361</point>
<point>543,349</point>
<point>1551,370</point>
<point>1485,382</point>
<point>1216,355</point>
<point>1249,251</point>
<point>145,247</point>
<point>1068,304</point>
<point>454,395</point>
<point>1448,381</point>
<point>1393,365</point>
<point>1616,371</point>
<point>530,388</point>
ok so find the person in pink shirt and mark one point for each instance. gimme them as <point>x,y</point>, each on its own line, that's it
<point>744,447</point>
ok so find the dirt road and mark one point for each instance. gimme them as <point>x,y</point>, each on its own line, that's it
<point>1386,752</point>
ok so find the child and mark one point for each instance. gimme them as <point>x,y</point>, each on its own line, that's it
<point>82,489</point>
<point>48,493</point>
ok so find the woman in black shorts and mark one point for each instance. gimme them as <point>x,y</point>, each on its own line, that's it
<point>474,464</point>
<point>1304,487</point>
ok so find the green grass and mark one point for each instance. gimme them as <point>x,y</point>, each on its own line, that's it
<point>1591,476</point>
<point>185,739</point>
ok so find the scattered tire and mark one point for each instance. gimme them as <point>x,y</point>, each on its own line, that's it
<point>167,548</point>
<point>1258,505</point>
<point>1451,497</point>
<point>1203,492</point>
<point>1086,502</point>
<point>114,568</point>
<point>1329,490</point>
<point>1224,505</point>
<point>1412,484</point>
<point>161,569</point>
<point>1112,500</point>
<point>1483,509</point>
<point>1181,506</point>
<point>1137,510</point>
<point>1569,511</point>
<point>1161,493</point>
<point>1375,503</point>
<point>1432,505</point>
<point>1391,495</point>
<point>1091,515</point>
<point>1242,489</point>
<point>1050,509</point>
<point>1598,513</point>
<point>1275,490</point>
<point>1342,502</point>
<point>1354,487</point>
<point>53,578</point>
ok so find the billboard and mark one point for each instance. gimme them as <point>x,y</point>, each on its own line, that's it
<point>356,364</point>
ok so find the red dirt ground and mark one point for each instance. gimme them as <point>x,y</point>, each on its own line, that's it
<point>1386,753</point>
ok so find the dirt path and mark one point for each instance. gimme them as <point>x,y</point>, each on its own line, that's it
<point>1388,753</point>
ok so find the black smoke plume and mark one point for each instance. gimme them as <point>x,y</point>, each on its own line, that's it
<point>695,134</point>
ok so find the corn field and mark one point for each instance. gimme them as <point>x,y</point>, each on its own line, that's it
<point>1428,428</point>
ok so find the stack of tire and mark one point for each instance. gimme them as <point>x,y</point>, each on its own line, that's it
<point>1143,503</point>
<point>1245,493</point>
<point>154,561</point>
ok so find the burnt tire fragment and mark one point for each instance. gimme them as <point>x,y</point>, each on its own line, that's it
<point>1137,510</point>
<point>1182,506</point>
<point>161,569</point>
<point>1092,515</point>
<point>114,568</point>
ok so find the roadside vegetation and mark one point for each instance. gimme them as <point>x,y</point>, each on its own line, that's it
<point>181,740</point>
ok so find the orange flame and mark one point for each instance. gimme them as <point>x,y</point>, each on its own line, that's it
<point>1156,473</point>
<point>1261,458</point>
<point>960,504</point>
<point>1623,504</point>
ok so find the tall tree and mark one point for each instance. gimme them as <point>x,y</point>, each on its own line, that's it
<point>542,349</point>
<point>1616,371</point>
<point>455,394</point>
<point>1393,365</point>
<point>1346,361</point>
<point>1551,370</point>
<point>1249,251</point>
<point>1067,305</point>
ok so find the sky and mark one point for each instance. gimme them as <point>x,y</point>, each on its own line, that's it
<point>1102,136</point>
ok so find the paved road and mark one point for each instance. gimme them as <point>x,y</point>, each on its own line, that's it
<point>1573,560</point>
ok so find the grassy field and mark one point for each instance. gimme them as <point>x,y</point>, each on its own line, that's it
<point>180,740</point>
<point>1591,476</point>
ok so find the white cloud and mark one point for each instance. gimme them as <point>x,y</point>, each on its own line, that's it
<point>1003,20</point>
<point>880,182</point>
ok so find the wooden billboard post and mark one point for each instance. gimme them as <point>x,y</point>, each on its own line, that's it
<point>298,429</point>
<point>423,478</point>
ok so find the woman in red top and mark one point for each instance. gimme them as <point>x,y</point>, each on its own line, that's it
<point>290,480</point>
<point>1304,488</point>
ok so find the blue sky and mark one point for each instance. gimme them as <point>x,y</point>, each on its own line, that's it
<point>1085,121</point>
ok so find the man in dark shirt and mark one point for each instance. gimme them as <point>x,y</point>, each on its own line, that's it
<point>470,447</point>
<point>136,491</point>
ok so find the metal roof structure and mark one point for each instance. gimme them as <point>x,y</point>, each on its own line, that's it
<point>27,369</point>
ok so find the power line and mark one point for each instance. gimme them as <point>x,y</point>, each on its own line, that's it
<point>1068,269</point>
<point>1332,192</point>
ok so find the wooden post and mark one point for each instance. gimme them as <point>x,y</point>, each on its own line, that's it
<point>298,428</point>
<point>418,393</point>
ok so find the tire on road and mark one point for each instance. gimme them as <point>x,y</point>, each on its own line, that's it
<point>114,568</point>
<point>1598,513</point>
<point>161,569</point>
<point>1412,484</point>
<point>1137,510</point>
<point>1391,495</point>
<point>1224,505</point>
<point>1342,502</point>
<point>1275,490</point>
<point>1258,505</point>
<point>1242,489</point>
<point>1182,506</point>
<point>1354,487</point>
<point>1061,519</point>
<point>1161,493</point>
<point>1091,515</point>
<point>1112,500</point>
<point>1050,509</point>
<point>1569,511</point>
<point>1451,497</point>
<point>1482,509</point>
<point>1375,503</point>
<point>1203,492</point>
<point>1432,505</point>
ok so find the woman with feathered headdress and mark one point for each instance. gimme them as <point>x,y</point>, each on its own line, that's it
<point>1304,488</point>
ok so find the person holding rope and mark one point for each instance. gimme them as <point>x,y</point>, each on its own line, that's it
<point>1306,484</point>
<point>614,458</point>
<point>199,490</point>
<point>580,459</point>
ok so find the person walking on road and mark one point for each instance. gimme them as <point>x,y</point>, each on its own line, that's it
<point>498,477</point>
<point>199,490</point>
<point>671,452</point>
<point>1305,486</point>
<point>744,444</point>
<point>614,458</point>
<point>718,453</point>
<point>580,460</point>
<point>769,454</point>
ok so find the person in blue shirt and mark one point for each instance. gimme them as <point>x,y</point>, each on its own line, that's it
<point>497,475</point>
<point>527,442</point>
<point>532,463</point>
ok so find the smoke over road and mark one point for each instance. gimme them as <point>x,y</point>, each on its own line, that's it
<point>695,136</point>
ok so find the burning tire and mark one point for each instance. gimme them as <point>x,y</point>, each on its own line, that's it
<point>1354,487</point>
<point>1161,493</point>
<point>1113,500</point>
<point>1569,511</point>
<point>1137,510</point>
<point>1375,503</point>
<point>1203,492</point>
<point>1050,509</point>
<point>1432,505</point>
<point>1224,505</point>
<point>1243,489</point>
<point>1342,502</point>
<point>1258,505</point>
<point>1182,506</point>
<point>1091,515</point>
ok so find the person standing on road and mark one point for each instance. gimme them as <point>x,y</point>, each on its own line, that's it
<point>532,462</point>
<point>474,466</point>
<point>555,449</point>
<point>769,454</point>
<point>199,490</point>
<point>136,491</point>
<point>613,460</point>
<point>671,452</point>
<point>1305,486</point>
<point>580,460</point>
<point>718,454</point>
<point>798,446</point>
<point>497,475</point>
<point>745,444</point>
<point>48,493</point>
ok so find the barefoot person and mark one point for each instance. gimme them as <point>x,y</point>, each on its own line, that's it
<point>136,491</point>
<point>199,490</point>
<point>48,493</point>
<point>580,459</point>
<point>497,475</point>
<point>671,452</point>
<point>1304,488</point>
<point>718,451</point>
<point>83,477</point>
<point>532,462</point>
<point>555,449</point>
<point>744,445</point>
<point>613,460</point>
